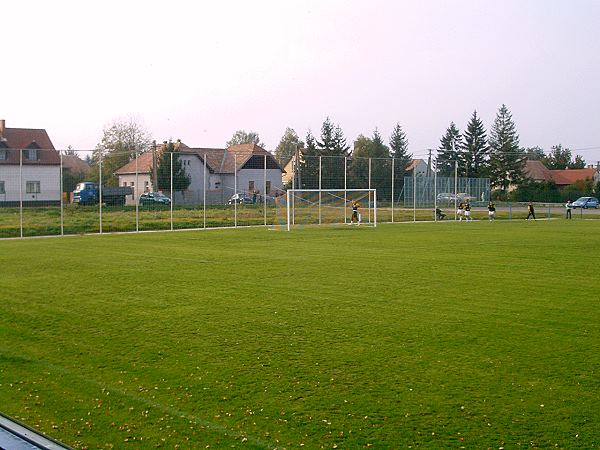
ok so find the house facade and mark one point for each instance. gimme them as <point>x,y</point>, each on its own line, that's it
<point>29,167</point>
<point>215,174</point>
<point>537,171</point>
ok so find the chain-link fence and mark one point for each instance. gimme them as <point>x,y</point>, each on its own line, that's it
<point>45,192</point>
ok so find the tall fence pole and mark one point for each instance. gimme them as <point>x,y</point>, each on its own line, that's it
<point>172,196</point>
<point>136,196</point>
<point>62,211</point>
<point>345,188</point>
<point>435,191</point>
<point>204,193</point>
<point>100,188</point>
<point>235,189</point>
<point>320,189</point>
<point>265,193</point>
<point>369,190</point>
<point>415,193</point>
<point>21,191</point>
<point>393,190</point>
<point>455,186</point>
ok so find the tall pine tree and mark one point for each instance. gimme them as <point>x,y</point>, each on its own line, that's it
<point>447,153</point>
<point>473,157</point>
<point>332,148</point>
<point>507,160</point>
<point>399,151</point>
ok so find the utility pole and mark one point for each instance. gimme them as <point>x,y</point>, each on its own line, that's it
<point>429,163</point>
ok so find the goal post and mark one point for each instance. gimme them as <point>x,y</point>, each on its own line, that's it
<point>327,207</point>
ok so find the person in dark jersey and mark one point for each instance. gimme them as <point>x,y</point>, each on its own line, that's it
<point>530,211</point>
<point>355,215</point>
<point>491,210</point>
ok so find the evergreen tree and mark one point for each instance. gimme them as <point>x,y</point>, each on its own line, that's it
<point>474,150</point>
<point>181,180</point>
<point>399,151</point>
<point>578,163</point>
<point>308,166</point>
<point>448,150</point>
<point>333,149</point>
<point>535,153</point>
<point>507,160</point>
<point>287,146</point>
<point>375,149</point>
<point>559,158</point>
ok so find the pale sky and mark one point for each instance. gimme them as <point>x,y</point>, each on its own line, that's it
<point>200,70</point>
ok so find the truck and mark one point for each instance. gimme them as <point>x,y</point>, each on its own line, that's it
<point>88,193</point>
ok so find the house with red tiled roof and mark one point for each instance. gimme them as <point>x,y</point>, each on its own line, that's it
<point>29,167</point>
<point>537,171</point>
<point>215,173</point>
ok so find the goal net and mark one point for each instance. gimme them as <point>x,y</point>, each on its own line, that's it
<point>298,207</point>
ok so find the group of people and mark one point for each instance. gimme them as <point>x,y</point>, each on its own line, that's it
<point>464,210</point>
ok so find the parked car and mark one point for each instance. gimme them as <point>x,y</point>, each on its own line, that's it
<point>465,197</point>
<point>586,202</point>
<point>240,199</point>
<point>447,197</point>
<point>153,198</point>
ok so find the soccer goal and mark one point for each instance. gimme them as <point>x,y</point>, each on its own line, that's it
<point>327,207</point>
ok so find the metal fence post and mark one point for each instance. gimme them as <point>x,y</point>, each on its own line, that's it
<point>235,190</point>
<point>455,186</point>
<point>509,211</point>
<point>204,192</point>
<point>62,219</point>
<point>136,196</point>
<point>435,191</point>
<point>100,187</point>
<point>172,196</point>
<point>21,191</point>
<point>369,190</point>
<point>345,189</point>
<point>415,193</point>
<point>265,190</point>
<point>393,160</point>
<point>320,189</point>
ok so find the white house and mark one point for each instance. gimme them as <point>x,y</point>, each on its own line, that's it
<point>29,167</point>
<point>215,173</point>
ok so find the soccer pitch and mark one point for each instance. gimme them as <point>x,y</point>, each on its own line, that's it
<point>435,335</point>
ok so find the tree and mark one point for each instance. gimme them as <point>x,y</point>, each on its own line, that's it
<point>120,143</point>
<point>535,153</point>
<point>69,151</point>
<point>243,137</point>
<point>371,148</point>
<point>447,154</point>
<point>308,166</point>
<point>507,160</point>
<point>474,150</point>
<point>399,151</point>
<point>579,163</point>
<point>559,158</point>
<point>333,149</point>
<point>287,146</point>
<point>181,180</point>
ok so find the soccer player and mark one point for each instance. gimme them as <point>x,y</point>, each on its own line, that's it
<point>491,210</point>
<point>459,210</point>
<point>355,206</point>
<point>468,211</point>
<point>530,211</point>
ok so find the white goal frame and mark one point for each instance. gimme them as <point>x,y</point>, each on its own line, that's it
<point>290,206</point>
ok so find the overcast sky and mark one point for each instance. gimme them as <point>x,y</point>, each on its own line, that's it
<point>199,70</point>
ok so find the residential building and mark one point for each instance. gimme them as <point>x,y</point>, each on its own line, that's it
<point>537,171</point>
<point>29,167</point>
<point>215,173</point>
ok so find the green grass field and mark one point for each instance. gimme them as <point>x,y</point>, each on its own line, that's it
<point>447,335</point>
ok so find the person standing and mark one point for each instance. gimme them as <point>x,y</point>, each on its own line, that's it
<point>468,211</point>
<point>355,214</point>
<point>569,207</point>
<point>530,211</point>
<point>460,210</point>
<point>491,210</point>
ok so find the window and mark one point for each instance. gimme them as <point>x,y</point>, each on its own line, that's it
<point>250,186</point>
<point>3,154</point>
<point>132,184</point>
<point>31,154</point>
<point>32,187</point>
<point>124,183</point>
<point>2,191</point>
<point>268,187</point>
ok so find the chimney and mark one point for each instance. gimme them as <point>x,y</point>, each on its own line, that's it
<point>2,127</point>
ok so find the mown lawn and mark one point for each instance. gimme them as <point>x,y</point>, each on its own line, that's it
<point>482,335</point>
